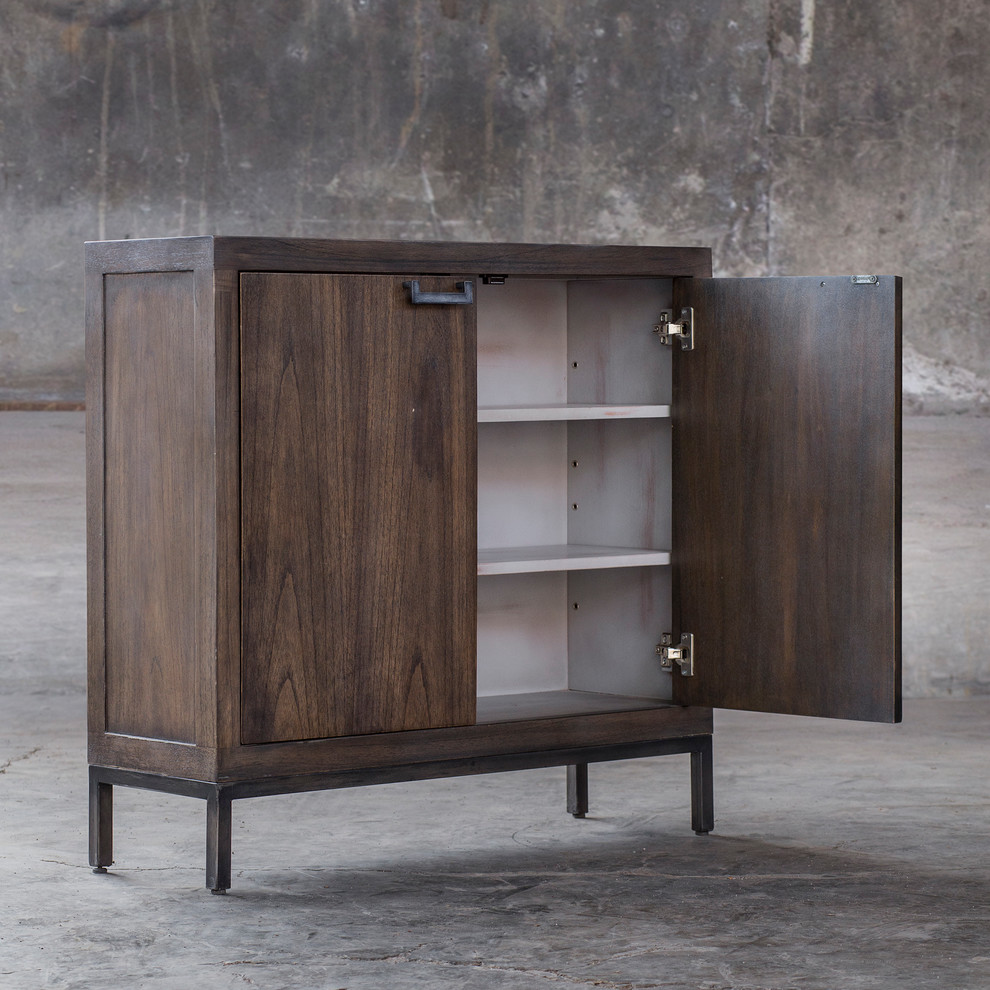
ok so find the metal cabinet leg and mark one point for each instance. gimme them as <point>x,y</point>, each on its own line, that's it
<point>577,789</point>
<point>702,789</point>
<point>218,832</point>
<point>100,822</point>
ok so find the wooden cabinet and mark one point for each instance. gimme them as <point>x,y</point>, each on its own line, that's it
<point>362,512</point>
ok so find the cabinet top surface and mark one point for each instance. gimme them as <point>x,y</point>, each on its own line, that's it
<point>439,257</point>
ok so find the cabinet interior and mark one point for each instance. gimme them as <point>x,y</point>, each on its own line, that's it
<point>574,497</point>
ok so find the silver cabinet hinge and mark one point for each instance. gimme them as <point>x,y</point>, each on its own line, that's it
<point>682,654</point>
<point>865,279</point>
<point>682,329</point>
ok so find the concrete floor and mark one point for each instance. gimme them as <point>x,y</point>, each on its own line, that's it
<point>845,856</point>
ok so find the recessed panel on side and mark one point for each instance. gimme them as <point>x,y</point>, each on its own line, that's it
<point>358,513</point>
<point>149,509</point>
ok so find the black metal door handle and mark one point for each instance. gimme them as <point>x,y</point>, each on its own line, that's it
<point>464,295</point>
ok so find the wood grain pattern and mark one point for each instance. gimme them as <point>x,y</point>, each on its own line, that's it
<point>176,759</point>
<point>449,257</point>
<point>386,257</point>
<point>463,742</point>
<point>546,732</point>
<point>225,711</point>
<point>358,508</point>
<point>786,472</point>
<point>96,698</point>
<point>557,704</point>
<point>150,567</point>
<point>158,254</point>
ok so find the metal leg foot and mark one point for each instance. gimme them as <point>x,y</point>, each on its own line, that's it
<point>218,832</point>
<point>100,822</point>
<point>577,789</point>
<point>702,789</point>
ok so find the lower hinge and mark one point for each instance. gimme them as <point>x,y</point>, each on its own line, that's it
<point>682,654</point>
<point>670,329</point>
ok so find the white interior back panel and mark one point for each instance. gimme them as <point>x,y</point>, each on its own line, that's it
<point>522,343</point>
<point>522,633</point>
<point>522,484</point>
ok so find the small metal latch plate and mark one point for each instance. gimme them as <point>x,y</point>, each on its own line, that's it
<point>865,279</point>
<point>683,329</point>
<point>682,654</point>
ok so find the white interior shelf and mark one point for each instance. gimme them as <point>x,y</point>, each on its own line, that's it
<point>569,411</point>
<point>568,557</point>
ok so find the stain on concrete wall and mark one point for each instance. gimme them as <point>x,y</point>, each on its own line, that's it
<point>879,147</point>
<point>791,137</point>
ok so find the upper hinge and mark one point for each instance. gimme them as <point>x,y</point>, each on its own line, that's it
<point>682,654</point>
<point>682,329</point>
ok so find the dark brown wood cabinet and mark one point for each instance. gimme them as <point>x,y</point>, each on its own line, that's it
<point>362,512</point>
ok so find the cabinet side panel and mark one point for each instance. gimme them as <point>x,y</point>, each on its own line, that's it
<point>613,355</point>
<point>358,509</point>
<point>95,556</point>
<point>150,566</point>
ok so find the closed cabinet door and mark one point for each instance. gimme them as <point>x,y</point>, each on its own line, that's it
<point>358,508</point>
<point>787,495</point>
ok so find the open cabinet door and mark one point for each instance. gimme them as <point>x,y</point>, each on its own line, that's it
<point>787,495</point>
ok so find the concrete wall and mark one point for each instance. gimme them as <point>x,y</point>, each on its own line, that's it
<point>792,137</point>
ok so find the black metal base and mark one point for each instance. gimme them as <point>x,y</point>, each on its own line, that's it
<point>577,789</point>
<point>219,796</point>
